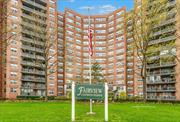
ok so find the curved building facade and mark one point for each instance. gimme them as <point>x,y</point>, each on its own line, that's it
<point>109,46</point>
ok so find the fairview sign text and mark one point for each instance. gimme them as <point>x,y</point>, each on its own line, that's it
<point>87,91</point>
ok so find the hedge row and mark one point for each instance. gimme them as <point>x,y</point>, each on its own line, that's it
<point>41,98</point>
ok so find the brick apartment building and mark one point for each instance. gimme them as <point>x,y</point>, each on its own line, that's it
<point>109,46</point>
<point>24,73</point>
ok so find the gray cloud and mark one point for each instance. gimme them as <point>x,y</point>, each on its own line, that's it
<point>98,9</point>
<point>86,7</point>
<point>71,1</point>
<point>106,9</point>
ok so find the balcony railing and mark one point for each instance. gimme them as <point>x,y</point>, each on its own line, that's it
<point>32,33</point>
<point>34,11</point>
<point>167,72</point>
<point>32,87</point>
<point>33,72</point>
<point>164,31</point>
<point>33,18</point>
<point>32,41</point>
<point>161,97</point>
<point>160,82</point>
<point>166,89</point>
<point>33,56</point>
<point>170,38</point>
<point>165,64</point>
<point>32,48</point>
<point>172,3</point>
<point>35,27</point>
<point>32,64</point>
<point>35,4</point>
<point>165,23</point>
<point>41,80</point>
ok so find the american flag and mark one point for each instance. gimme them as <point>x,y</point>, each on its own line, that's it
<point>90,41</point>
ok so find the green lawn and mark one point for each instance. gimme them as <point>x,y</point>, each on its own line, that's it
<point>61,112</point>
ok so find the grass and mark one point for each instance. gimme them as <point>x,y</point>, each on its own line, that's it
<point>61,112</point>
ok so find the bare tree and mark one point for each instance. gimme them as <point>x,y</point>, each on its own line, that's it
<point>173,48</point>
<point>145,17</point>
<point>47,44</point>
<point>7,33</point>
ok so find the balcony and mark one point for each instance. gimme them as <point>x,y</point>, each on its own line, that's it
<point>167,89</point>
<point>166,23</point>
<point>36,72</point>
<point>33,87</point>
<point>160,82</point>
<point>161,97</point>
<point>32,79</point>
<point>33,26</point>
<point>26,55</point>
<point>33,18</point>
<point>35,4</point>
<point>172,3</point>
<point>34,11</point>
<point>32,48</point>
<point>166,64</point>
<point>27,63</point>
<point>162,72</point>
<point>35,34</point>
<point>166,30</point>
<point>166,39</point>
<point>33,41</point>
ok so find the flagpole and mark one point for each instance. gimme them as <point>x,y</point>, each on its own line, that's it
<point>90,63</point>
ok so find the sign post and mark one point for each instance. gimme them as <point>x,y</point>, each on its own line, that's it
<point>106,103</point>
<point>90,92</point>
<point>73,102</point>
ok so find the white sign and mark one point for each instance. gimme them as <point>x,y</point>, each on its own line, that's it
<point>105,102</point>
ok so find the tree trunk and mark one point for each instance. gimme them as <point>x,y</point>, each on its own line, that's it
<point>144,81</point>
<point>46,79</point>
<point>144,89</point>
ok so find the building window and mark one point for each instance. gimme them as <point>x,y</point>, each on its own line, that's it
<point>51,9</point>
<point>14,10</point>
<point>13,17</point>
<point>51,92</point>
<point>14,2</point>
<point>13,74</point>
<point>60,81</point>
<point>13,90</point>
<point>13,50</point>
<point>13,81</point>
<point>13,42</point>
<point>13,58</point>
<point>51,84</point>
<point>13,65</point>
<point>51,77</point>
<point>51,2</point>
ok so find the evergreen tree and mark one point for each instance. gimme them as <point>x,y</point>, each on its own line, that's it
<point>97,75</point>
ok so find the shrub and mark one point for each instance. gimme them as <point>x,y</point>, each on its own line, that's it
<point>30,97</point>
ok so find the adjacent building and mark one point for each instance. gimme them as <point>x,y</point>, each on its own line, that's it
<point>33,24</point>
<point>163,72</point>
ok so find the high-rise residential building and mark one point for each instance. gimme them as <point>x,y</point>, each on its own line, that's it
<point>61,85</point>
<point>163,66</point>
<point>33,24</point>
<point>1,67</point>
<point>163,72</point>
<point>36,24</point>
<point>134,80</point>
<point>109,46</point>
